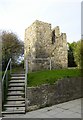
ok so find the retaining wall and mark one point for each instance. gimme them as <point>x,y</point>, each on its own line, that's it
<point>46,95</point>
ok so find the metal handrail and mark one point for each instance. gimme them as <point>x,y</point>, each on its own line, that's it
<point>26,72</point>
<point>9,63</point>
<point>5,81</point>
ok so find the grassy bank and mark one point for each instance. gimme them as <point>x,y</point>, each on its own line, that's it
<point>44,77</point>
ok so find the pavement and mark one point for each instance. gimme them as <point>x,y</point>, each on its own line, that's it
<point>71,109</point>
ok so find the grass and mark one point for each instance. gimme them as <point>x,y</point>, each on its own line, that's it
<point>50,77</point>
<point>17,69</point>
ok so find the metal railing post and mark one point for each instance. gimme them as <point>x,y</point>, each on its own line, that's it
<point>6,80</point>
<point>10,67</point>
<point>26,72</point>
<point>2,92</point>
<point>50,64</point>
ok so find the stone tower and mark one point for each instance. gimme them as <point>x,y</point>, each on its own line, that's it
<point>43,44</point>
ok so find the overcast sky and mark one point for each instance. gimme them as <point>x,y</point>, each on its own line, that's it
<point>17,15</point>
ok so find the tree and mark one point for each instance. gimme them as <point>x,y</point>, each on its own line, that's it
<point>12,47</point>
<point>75,47</point>
<point>82,55</point>
<point>77,53</point>
<point>71,61</point>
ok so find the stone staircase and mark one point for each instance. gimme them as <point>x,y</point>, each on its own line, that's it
<point>15,102</point>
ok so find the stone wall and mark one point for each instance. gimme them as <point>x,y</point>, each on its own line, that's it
<point>30,39</point>
<point>43,42</point>
<point>46,95</point>
<point>59,54</point>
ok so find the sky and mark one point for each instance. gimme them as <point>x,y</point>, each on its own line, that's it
<point>82,20</point>
<point>17,15</point>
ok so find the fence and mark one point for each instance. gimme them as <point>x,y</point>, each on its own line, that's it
<point>42,63</point>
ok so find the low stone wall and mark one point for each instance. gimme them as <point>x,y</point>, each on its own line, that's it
<point>46,95</point>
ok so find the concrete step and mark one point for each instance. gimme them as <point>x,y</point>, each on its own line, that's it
<point>15,102</point>
<point>14,108</point>
<point>17,81</point>
<point>14,105</point>
<point>16,78</point>
<point>13,112</point>
<point>16,89</point>
<point>15,94</point>
<point>16,75</point>
<point>15,98</point>
<point>16,84</point>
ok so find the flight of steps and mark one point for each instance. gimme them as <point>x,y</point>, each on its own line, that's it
<point>15,103</point>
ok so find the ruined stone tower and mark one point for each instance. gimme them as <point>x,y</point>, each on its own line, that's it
<point>42,45</point>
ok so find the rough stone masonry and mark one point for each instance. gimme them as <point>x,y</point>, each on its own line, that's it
<point>45,46</point>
